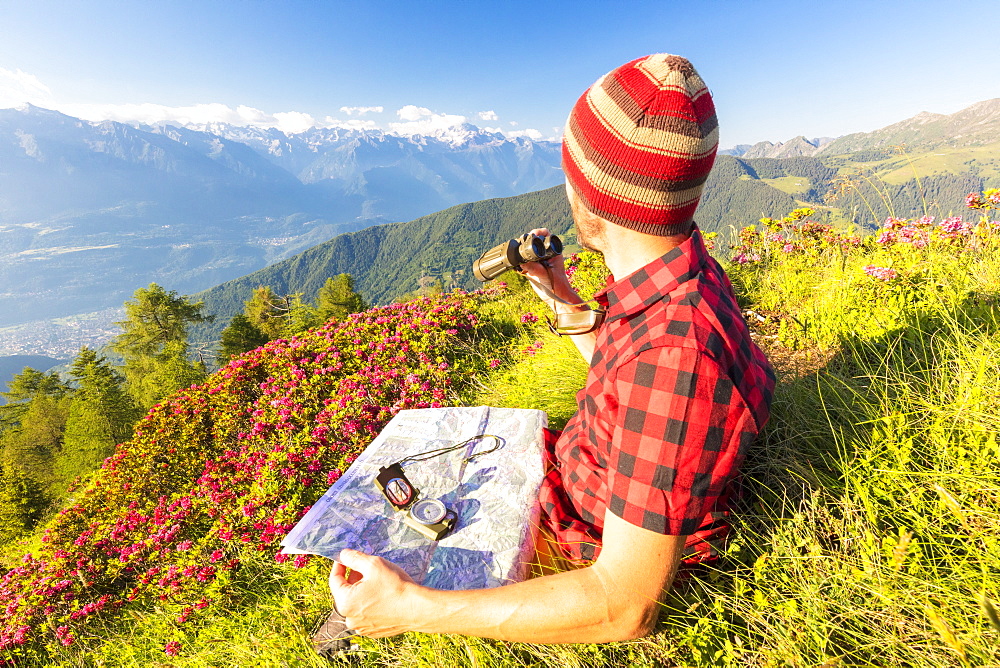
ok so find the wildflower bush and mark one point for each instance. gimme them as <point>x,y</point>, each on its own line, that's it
<point>822,285</point>
<point>215,475</point>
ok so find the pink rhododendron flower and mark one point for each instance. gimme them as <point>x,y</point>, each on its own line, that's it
<point>954,227</point>
<point>64,636</point>
<point>746,258</point>
<point>880,273</point>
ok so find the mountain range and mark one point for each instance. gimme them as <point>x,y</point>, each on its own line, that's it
<point>976,125</point>
<point>793,148</point>
<point>91,211</point>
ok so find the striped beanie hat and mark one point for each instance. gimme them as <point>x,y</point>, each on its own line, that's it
<point>640,142</point>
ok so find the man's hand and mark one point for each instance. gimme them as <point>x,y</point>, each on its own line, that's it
<point>616,598</point>
<point>552,274</point>
<point>373,597</point>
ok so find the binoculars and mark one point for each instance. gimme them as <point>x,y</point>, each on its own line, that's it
<point>511,254</point>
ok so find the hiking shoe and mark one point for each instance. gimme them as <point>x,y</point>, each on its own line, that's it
<point>332,637</point>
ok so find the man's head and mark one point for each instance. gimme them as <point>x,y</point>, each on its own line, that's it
<point>638,147</point>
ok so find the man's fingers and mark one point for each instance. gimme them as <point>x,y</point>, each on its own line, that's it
<point>343,574</point>
<point>357,561</point>
<point>338,576</point>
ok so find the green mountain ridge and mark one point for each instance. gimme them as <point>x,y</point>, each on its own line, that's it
<point>389,261</point>
<point>977,125</point>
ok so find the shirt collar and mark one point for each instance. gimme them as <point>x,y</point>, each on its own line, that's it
<point>654,282</point>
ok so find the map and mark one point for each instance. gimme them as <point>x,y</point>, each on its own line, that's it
<point>493,497</point>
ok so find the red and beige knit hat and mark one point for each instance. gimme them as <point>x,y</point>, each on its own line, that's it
<point>640,142</point>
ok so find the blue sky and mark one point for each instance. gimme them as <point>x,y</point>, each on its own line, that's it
<point>777,68</point>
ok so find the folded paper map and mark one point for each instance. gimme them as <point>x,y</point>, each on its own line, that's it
<point>494,497</point>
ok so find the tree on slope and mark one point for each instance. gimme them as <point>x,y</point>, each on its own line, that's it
<point>240,336</point>
<point>24,387</point>
<point>268,312</point>
<point>101,415</point>
<point>22,502</point>
<point>154,343</point>
<point>337,299</point>
<point>33,423</point>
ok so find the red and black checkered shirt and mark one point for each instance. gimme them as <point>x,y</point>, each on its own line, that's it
<point>676,392</point>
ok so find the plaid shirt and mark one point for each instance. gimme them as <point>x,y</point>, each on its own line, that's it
<point>676,392</point>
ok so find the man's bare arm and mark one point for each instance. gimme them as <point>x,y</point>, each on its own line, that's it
<point>616,598</point>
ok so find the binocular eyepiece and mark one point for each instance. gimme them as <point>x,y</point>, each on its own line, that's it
<point>511,254</point>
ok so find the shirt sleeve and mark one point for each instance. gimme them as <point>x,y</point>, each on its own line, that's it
<point>679,435</point>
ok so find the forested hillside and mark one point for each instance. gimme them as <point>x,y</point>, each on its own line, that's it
<point>388,261</point>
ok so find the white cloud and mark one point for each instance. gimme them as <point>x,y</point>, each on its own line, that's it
<point>530,133</point>
<point>17,87</point>
<point>361,111</point>
<point>193,115</point>
<point>412,112</point>
<point>351,124</point>
<point>291,122</point>
<point>423,121</point>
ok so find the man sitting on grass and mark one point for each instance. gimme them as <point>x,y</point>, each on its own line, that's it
<point>640,478</point>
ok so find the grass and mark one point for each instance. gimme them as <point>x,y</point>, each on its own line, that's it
<point>868,531</point>
<point>793,185</point>
<point>946,160</point>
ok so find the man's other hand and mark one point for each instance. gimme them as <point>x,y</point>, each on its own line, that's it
<point>371,593</point>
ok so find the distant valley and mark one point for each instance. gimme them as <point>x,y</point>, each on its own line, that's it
<point>91,211</point>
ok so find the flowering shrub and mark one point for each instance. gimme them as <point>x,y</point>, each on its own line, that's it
<point>880,273</point>
<point>887,277</point>
<point>986,200</point>
<point>223,470</point>
<point>795,234</point>
<point>587,273</point>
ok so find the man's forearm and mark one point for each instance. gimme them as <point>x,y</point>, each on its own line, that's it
<point>572,607</point>
<point>585,343</point>
<point>616,598</point>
